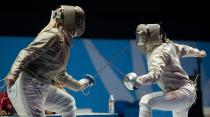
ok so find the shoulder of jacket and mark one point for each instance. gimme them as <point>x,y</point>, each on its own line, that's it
<point>53,32</point>
<point>163,50</point>
<point>165,47</point>
<point>57,32</point>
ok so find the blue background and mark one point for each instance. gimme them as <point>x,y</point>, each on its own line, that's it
<point>90,55</point>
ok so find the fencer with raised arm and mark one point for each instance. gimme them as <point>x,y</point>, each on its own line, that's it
<point>164,68</point>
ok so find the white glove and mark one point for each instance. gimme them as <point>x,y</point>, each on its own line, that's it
<point>202,53</point>
<point>130,80</point>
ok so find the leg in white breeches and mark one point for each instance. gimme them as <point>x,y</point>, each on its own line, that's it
<point>180,113</point>
<point>27,96</point>
<point>60,102</point>
<point>145,110</point>
<point>178,101</point>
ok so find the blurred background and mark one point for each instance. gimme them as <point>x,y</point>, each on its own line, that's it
<point>110,33</point>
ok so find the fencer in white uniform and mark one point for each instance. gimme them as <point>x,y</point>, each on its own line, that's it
<point>164,68</point>
<point>30,87</point>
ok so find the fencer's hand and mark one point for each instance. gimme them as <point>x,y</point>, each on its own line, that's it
<point>138,83</point>
<point>202,53</point>
<point>90,78</point>
<point>129,80</point>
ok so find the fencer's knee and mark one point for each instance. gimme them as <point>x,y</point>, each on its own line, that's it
<point>146,100</point>
<point>69,105</point>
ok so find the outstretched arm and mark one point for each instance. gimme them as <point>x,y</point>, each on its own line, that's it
<point>71,83</point>
<point>187,51</point>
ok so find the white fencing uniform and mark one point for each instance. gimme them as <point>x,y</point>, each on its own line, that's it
<point>44,60</point>
<point>164,68</point>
